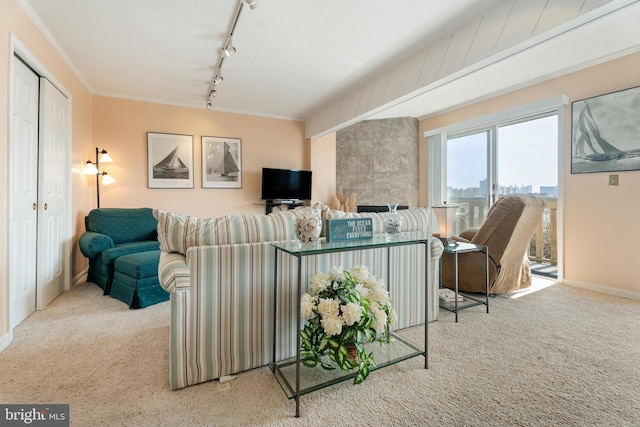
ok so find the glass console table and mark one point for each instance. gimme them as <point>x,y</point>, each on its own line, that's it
<point>297,379</point>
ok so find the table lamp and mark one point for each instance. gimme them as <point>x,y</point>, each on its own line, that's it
<point>445,214</point>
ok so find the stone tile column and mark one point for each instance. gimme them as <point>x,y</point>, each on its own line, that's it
<point>378,160</point>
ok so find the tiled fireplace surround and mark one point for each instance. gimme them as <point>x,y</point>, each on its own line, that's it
<point>378,160</point>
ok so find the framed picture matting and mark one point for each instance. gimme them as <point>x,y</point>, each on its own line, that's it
<point>170,160</point>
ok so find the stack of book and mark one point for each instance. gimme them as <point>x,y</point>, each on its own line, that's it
<point>447,295</point>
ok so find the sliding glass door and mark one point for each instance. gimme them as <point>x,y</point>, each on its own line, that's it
<point>527,162</point>
<point>504,158</point>
<point>467,178</point>
<point>473,163</point>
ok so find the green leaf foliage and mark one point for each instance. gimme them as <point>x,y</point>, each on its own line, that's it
<point>358,305</point>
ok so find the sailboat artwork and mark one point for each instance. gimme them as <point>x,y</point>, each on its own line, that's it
<point>221,163</point>
<point>606,133</point>
<point>170,160</point>
<point>227,166</point>
<point>171,167</point>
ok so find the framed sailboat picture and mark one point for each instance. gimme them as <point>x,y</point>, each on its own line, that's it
<point>170,160</point>
<point>221,162</point>
<point>605,132</point>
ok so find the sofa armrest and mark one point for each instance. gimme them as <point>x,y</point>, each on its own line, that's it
<point>92,244</point>
<point>173,272</point>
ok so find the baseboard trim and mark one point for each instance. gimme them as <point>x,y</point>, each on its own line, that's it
<point>5,340</point>
<point>80,278</point>
<point>603,289</point>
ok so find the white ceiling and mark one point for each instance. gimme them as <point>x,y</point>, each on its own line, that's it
<point>295,57</point>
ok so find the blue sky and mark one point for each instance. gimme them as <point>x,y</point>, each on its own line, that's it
<point>527,155</point>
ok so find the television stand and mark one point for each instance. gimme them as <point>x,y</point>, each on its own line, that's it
<point>270,204</point>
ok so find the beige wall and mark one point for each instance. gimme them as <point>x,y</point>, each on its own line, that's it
<point>600,222</point>
<point>14,23</point>
<point>120,126</point>
<point>323,165</point>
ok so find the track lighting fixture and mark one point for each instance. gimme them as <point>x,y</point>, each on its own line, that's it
<point>226,51</point>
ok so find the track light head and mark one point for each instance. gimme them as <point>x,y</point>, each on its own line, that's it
<point>217,79</point>
<point>252,3</point>
<point>209,105</point>
<point>228,49</point>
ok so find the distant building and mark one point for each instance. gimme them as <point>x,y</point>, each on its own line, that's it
<point>515,189</point>
<point>551,190</point>
<point>483,191</point>
<point>484,187</point>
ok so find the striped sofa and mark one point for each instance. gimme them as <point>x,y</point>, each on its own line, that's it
<point>220,276</point>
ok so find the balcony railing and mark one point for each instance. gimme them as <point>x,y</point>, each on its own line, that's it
<point>472,212</point>
<point>544,245</point>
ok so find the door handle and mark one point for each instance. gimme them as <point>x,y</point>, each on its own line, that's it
<point>35,206</point>
<point>45,206</point>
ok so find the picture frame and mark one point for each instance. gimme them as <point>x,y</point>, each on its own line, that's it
<point>221,162</point>
<point>170,160</point>
<point>605,132</point>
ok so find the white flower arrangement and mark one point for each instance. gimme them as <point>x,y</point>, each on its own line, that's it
<point>345,307</point>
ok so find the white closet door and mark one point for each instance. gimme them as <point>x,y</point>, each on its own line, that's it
<point>52,185</point>
<point>23,189</point>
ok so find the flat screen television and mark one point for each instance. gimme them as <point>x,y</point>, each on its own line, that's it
<point>286,184</point>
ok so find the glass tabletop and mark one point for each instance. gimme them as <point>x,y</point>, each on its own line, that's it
<point>378,240</point>
<point>464,247</point>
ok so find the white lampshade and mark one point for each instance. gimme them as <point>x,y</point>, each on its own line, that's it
<point>105,157</point>
<point>107,179</point>
<point>445,213</point>
<point>90,168</point>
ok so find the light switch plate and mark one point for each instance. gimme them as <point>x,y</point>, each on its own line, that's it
<point>613,180</point>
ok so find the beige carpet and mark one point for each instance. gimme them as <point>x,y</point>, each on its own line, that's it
<point>557,357</point>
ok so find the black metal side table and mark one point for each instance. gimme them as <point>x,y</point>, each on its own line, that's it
<point>469,301</point>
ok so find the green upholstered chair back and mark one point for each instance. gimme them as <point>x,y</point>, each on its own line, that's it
<point>123,224</point>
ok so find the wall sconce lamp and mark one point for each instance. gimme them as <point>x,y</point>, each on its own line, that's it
<point>92,168</point>
<point>446,214</point>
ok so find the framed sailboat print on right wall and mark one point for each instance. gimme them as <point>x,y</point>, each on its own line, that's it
<point>605,132</point>
<point>221,162</point>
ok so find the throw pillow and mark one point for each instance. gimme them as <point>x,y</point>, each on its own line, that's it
<point>177,233</point>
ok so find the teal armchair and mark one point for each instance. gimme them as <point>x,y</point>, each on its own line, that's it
<point>114,232</point>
